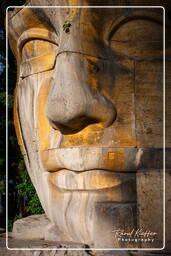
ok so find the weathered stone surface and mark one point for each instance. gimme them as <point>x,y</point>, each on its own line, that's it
<point>168,102</point>
<point>42,248</point>
<point>150,204</point>
<point>32,227</point>
<point>55,252</point>
<point>168,209</point>
<point>117,216</point>
<point>88,115</point>
<point>149,99</point>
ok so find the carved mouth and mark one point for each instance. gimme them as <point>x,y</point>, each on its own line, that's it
<point>88,180</point>
<point>88,158</point>
<point>81,159</point>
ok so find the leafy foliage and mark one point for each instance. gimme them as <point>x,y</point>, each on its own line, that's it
<point>26,199</point>
<point>11,221</point>
<point>26,189</point>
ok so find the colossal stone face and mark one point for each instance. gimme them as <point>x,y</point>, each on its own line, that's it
<point>88,112</point>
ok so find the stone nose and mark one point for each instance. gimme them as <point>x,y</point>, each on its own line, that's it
<point>72,104</point>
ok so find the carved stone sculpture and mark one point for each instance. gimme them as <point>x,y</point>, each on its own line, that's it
<point>89,115</point>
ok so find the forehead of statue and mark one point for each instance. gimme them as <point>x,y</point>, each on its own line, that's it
<point>87,26</point>
<point>100,18</point>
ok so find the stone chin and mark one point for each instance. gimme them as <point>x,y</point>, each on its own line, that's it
<point>82,201</point>
<point>83,206</point>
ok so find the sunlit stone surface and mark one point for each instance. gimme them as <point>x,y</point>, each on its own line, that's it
<point>89,118</point>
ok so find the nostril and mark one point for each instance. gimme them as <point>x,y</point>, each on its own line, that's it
<point>73,103</point>
<point>72,118</point>
<point>74,125</point>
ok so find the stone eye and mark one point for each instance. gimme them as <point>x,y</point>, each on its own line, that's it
<point>35,48</point>
<point>138,38</point>
<point>37,56</point>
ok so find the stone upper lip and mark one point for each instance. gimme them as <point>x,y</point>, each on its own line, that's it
<point>79,159</point>
<point>123,159</point>
<point>89,180</point>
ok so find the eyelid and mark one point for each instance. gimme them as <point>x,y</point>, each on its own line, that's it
<point>32,66</point>
<point>36,33</point>
<point>136,14</point>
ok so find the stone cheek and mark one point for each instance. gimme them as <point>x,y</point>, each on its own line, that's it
<point>89,119</point>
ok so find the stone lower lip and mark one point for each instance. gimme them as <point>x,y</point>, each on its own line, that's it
<point>87,180</point>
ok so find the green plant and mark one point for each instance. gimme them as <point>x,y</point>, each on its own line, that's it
<point>11,221</point>
<point>28,201</point>
<point>66,26</point>
<point>26,190</point>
